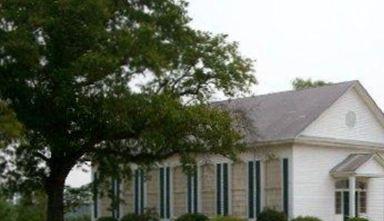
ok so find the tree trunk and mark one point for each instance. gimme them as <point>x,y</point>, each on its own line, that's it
<point>55,192</point>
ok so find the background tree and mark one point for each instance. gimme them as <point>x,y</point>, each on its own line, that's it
<point>6,210</point>
<point>114,81</point>
<point>23,207</point>
<point>299,83</point>
<point>74,198</point>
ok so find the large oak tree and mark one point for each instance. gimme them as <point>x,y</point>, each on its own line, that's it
<point>116,81</point>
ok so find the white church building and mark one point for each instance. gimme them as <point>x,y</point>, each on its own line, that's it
<point>316,152</point>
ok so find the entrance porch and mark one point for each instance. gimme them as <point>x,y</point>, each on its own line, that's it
<point>352,176</point>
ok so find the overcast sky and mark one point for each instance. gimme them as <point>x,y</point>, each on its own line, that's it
<point>332,40</point>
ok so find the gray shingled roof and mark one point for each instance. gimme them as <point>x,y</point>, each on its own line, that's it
<point>351,163</point>
<point>284,115</point>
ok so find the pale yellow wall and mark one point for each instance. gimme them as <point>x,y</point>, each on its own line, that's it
<point>208,189</point>
<point>273,184</point>
<point>128,196</point>
<point>179,192</point>
<point>239,189</point>
<point>152,179</point>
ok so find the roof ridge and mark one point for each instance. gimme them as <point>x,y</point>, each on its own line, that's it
<point>286,114</point>
<point>287,91</point>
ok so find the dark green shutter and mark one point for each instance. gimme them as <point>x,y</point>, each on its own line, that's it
<point>161,192</point>
<point>225,189</point>
<point>218,189</point>
<point>258,188</point>
<point>118,198</point>
<point>113,203</point>
<point>95,195</point>
<point>285,186</point>
<point>251,214</point>
<point>168,191</point>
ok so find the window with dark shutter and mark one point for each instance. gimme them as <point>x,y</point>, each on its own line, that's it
<point>285,186</point>
<point>115,190</point>
<point>192,192</point>
<point>139,191</point>
<point>253,189</point>
<point>162,206</point>
<point>115,204</point>
<point>165,193</point>
<point>195,191</point>
<point>222,189</point>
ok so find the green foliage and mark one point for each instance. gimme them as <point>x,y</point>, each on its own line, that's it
<point>6,210</point>
<point>147,216</point>
<point>69,71</point>
<point>10,128</point>
<point>306,218</point>
<point>106,218</point>
<point>299,84</point>
<point>358,219</point>
<point>79,218</point>
<point>192,217</point>
<point>76,197</point>
<point>27,208</point>
<point>271,215</point>
<point>30,207</point>
<point>227,218</point>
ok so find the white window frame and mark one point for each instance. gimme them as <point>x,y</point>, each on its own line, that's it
<point>144,193</point>
<point>357,190</point>
<point>199,201</point>
<point>170,193</point>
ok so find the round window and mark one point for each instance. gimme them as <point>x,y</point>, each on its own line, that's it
<point>350,119</point>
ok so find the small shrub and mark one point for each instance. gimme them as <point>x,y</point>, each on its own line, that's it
<point>106,218</point>
<point>131,217</point>
<point>306,218</point>
<point>227,218</point>
<point>192,217</point>
<point>358,219</point>
<point>271,215</point>
<point>147,216</point>
<point>78,218</point>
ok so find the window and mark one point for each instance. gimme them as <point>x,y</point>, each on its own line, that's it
<point>95,196</point>
<point>165,193</point>
<point>362,198</point>
<point>338,203</point>
<point>285,186</point>
<point>115,203</point>
<point>139,191</point>
<point>253,189</point>
<point>342,191</point>
<point>192,195</point>
<point>222,189</point>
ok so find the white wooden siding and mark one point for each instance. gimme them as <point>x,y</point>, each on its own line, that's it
<point>332,124</point>
<point>313,187</point>
<point>375,199</point>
